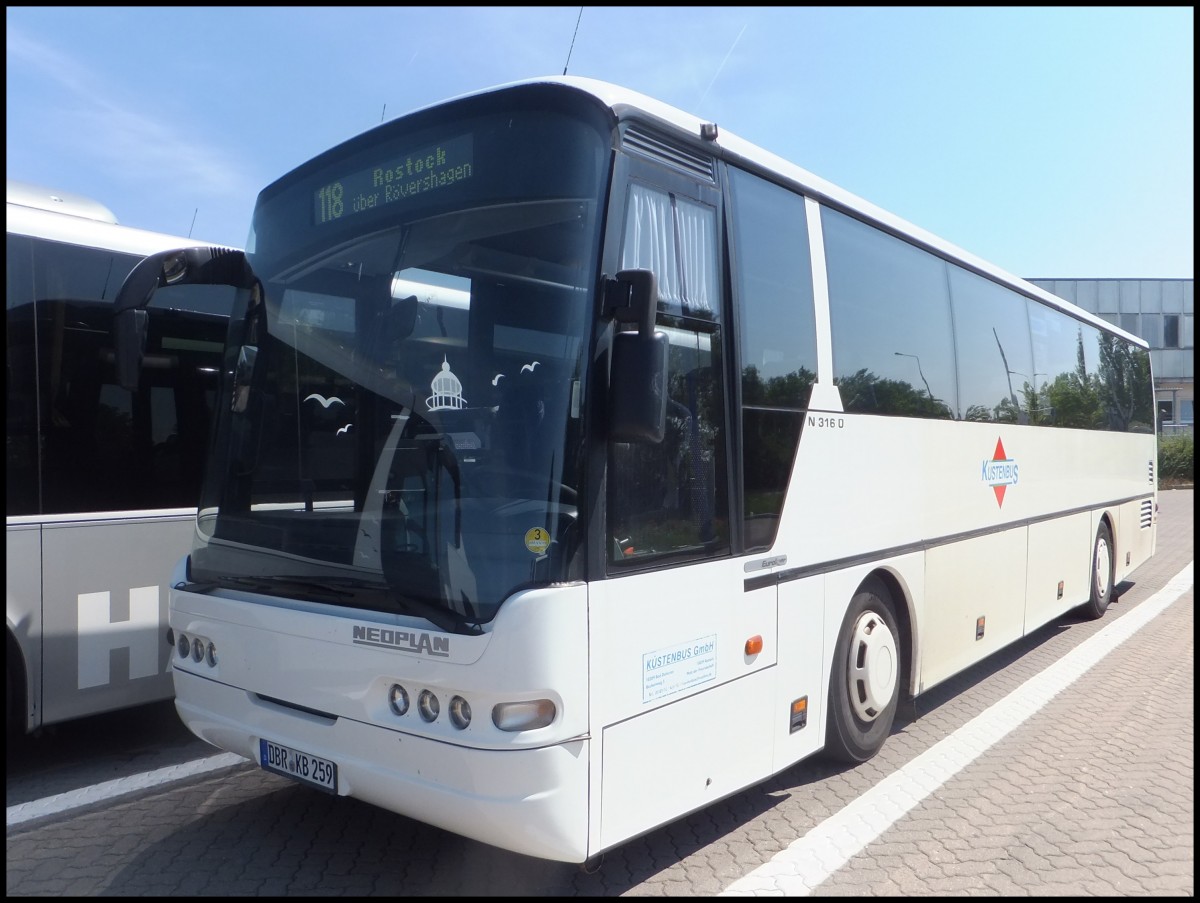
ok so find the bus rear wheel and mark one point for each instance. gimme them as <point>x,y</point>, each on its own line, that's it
<point>1102,574</point>
<point>864,682</point>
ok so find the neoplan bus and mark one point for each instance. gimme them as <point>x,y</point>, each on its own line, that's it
<point>102,483</point>
<point>580,464</point>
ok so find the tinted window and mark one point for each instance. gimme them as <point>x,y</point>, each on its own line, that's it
<point>1065,353</point>
<point>889,307</point>
<point>20,380</point>
<point>996,380</point>
<point>773,286</point>
<point>1126,393</point>
<point>670,498</point>
<point>1170,330</point>
<point>78,442</point>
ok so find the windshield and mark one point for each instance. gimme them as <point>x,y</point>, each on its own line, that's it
<point>404,419</point>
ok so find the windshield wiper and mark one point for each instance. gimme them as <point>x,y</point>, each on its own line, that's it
<point>447,619</point>
<point>280,586</point>
<point>440,616</point>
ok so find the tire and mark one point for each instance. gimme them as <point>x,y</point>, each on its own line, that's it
<point>1103,560</point>
<point>864,680</point>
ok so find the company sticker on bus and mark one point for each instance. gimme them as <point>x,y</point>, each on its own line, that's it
<point>1000,472</point>
<point>675,668</point>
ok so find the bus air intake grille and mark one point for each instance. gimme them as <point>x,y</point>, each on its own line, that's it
<point>680,158</point>
<point>324,716</point>
<point>1147,518</point>
<point>1151,466</point>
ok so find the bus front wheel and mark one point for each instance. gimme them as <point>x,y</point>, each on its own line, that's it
<point>1102,574</point>
<point>864,682</point>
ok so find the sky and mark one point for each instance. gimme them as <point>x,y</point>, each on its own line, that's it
<point>1052,142</point>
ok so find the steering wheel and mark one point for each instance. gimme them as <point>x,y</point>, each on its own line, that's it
<point>530,484</point>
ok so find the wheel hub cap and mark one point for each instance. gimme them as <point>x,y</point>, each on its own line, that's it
<point>1103,567</point>
<point>873,664</point>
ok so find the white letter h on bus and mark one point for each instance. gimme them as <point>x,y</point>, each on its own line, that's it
<point>99,635</point>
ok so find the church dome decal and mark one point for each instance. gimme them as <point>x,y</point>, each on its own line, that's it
<point>447,391</point>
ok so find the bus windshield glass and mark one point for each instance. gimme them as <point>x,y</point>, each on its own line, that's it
<point>402,427</point>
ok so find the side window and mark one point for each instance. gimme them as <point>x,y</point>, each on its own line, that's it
<point>1065,353</point>
<point>91,457</point>
<point>889,309</point>
<point>670,499</point>
<point>1125,385</point>
<point>101,447</point>
<point>773,290</point>
<point>996,379</point>
<point>22,445</point>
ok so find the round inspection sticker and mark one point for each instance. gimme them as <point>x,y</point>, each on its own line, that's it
<point>537,540</point>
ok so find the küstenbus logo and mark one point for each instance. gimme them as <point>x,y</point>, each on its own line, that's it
<point>1000,472</point>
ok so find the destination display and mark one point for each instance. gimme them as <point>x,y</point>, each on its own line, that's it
<point>397,178</point>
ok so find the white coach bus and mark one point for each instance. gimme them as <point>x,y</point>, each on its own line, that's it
<point>581,464</point>
<point>102,483</point>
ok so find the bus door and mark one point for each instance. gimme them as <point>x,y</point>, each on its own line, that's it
<point>680,674</point>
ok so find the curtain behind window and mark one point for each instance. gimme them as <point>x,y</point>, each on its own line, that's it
<point>676,239</point>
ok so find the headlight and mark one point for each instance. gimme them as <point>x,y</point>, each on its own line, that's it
<point>460,712</point>
<point>398,699</point>
<point>523,716</point>
<point>428,705</point>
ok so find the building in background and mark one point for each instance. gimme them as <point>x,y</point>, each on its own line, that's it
<point>1162,312</point>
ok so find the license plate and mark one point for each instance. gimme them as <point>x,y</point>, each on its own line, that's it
<point>306,768</point>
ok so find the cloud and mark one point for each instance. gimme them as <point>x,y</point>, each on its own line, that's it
<point>82,109</point>
<point>35,55</point>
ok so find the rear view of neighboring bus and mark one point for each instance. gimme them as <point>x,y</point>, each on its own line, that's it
<point>102,483</point>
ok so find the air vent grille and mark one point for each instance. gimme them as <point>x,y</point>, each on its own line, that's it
<point>673,155</point>
<point>1147,519</point>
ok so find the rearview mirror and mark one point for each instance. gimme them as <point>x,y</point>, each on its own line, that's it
<point>195,266</point>
<point>638,388</point>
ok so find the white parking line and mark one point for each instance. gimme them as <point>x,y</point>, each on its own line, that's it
<point>85,796</point>
<point>797,870</point>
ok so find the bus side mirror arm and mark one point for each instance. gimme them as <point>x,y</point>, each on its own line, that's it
<point>195,266</point>
<point>637,384</point>
<point>632,297</point>
<point>129,345</point>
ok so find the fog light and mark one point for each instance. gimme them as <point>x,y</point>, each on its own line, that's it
<point>210,655</point>
<point>398,699</point>
<point>523,716</point>
<point>197,650</point>
<point>460,712</point>
<point>428,705</point>
<point>184,646</point>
